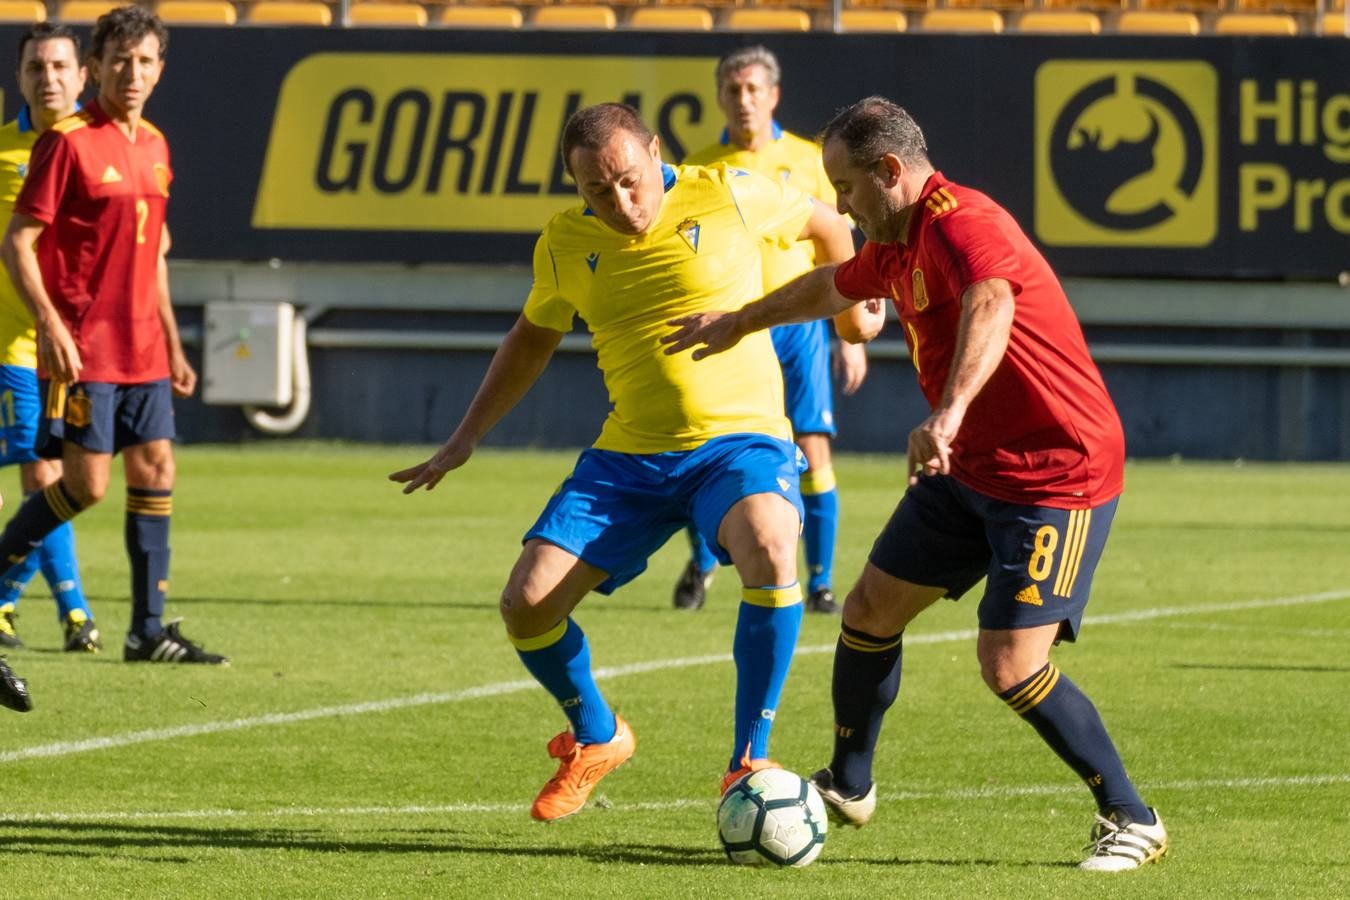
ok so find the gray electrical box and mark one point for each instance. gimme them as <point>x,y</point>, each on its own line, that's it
<point>247,356</point>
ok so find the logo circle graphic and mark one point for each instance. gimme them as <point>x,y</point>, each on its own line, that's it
<point>1090,165</point>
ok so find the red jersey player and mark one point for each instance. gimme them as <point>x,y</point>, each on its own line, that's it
<point>1013,477</point>
<point>108,347</point>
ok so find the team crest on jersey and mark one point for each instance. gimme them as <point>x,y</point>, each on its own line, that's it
<point>78,408</point>
<point>689,229</point>
<point>592,259</point>
<point>784,174</point>
<point>920,291</point>
<point>162,178</point>
<point>23,170</point>
<point>111,176</point>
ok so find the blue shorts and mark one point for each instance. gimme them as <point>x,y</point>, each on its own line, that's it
<point>105,418</point>
<point>804,353</point>
<point>1039,560</point>
<point>19,408</point>
<point>616,509</point>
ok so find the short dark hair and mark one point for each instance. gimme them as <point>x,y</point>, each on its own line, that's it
<point>127,25</point>
<point>594,126</point>
<point>873,127</point>
<point>48,31</point>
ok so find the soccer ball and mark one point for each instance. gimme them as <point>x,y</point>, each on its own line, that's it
<point>772,817</point>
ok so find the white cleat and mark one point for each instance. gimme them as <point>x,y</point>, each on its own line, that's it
<point>855,811</point>
<point>1116,848</point>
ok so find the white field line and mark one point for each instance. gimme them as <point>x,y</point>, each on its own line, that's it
<point>126,739</point>
<point>452,809</point>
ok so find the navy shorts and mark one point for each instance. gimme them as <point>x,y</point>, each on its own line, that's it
<point>19,408</point>
<point>803,351</point>
<point>1038,560</point>
<point>105,418</point>
<point>616,509</point>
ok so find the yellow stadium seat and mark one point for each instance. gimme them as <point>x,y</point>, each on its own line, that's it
<point>22,11</point>
<point>1255,23</point>
<point>1063,21</point>
<point>1334,24</point>
<point>585,18</point>
<point>387,15</point>
<point>749,19</point>
<point>83,11</point>
<point>978,21</point>
<point>290,12</point>
<point>197,12</point>
<point>672,18</point>
<point>500,17</point>
<point>1144,22</point>
<point>887,20</point>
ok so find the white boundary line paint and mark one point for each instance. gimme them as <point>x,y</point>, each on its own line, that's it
<point>985,793</point>
<point>67,748</point>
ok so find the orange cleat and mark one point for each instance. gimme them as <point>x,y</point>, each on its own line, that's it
<point>747,766</point>
<point>580,768</point>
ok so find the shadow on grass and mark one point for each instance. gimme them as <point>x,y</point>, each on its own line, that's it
<point>67,838</point>
<point>1259,667</point>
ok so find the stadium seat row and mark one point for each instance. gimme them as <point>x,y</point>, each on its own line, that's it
<point>1180,17</point>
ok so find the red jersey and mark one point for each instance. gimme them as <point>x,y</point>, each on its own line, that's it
<point>102,197</point>
<point>1042,431</point>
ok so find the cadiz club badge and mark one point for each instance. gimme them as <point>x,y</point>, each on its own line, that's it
<point>1126,153</point>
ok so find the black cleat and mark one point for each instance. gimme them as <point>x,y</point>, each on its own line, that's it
<point>692,588</point>
<point>168,646</point>
<point>13,690</point>
<point>8,636</point>
<point>81,635</point>
<point>822,601</point>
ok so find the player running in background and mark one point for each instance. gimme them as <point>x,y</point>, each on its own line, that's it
<point>85,248</point>
<point>748,93</point>
<point>51,78</point>
<point>683,442</point>
<point>1014,476</point>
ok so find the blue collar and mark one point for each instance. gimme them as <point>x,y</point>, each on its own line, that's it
<point>775,129</point>
<point>668,178</point>
<point>25,119</point>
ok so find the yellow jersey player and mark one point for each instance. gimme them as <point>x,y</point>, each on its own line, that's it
<point>51,79</point>
<point>748,93</point>
<point>681,442</point>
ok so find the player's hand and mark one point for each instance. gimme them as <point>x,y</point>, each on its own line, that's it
<point>716,331</point>
<point>850,367</point>
<point>58,356</point>
<point>182,377</point>
<point>930,444</point>
<point>451,456</point>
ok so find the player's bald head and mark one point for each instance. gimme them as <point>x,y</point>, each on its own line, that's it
<point>596,127</point>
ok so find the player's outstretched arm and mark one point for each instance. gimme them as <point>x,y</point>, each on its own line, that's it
<point>807,297</point>
<point>57,353</point>
<point>517,364</point>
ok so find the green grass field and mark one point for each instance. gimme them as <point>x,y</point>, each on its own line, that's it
<point>376,735</point>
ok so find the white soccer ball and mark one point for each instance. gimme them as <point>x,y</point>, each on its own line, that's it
<point>772,818</point>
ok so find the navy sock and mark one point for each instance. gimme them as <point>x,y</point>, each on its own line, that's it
<point>766,635</point>
<point>1066,719</point>
<point>147,537</point>
<point>866,683</point>
<point>39,514</point>
<point>560,660</point>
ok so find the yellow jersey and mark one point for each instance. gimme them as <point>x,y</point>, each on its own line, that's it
<point>18,339</point>
<point>791,160</point>
<point>625,288</point>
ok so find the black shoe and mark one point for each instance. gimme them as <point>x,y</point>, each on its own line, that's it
<point>168,646</point>
<point>822,601</point>
<point>13,690</point>
<point>81,635</point>
<point>692,588</point>
<point>8,636</point>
